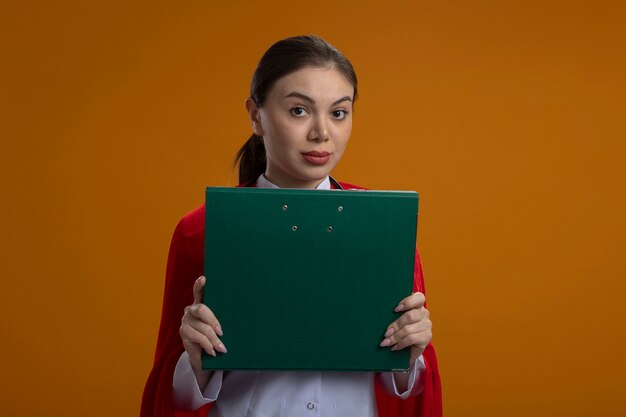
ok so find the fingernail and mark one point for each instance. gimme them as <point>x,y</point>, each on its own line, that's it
<point>385,342</point>
<point>399,308</point>
<point>218,330</point>
<point>389,332</point>
<point>221,348</point>
<point>212,353</point>
<point>394,347</point>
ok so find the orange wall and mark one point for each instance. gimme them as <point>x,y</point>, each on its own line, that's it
<point>507,116</point>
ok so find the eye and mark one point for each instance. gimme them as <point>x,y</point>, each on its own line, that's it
<point>339,114</point>
<point>298,111</point>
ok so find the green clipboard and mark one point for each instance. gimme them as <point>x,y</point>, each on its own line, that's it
<point>308,279</point>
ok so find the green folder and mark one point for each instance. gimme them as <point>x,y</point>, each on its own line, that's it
<point>308,279</point>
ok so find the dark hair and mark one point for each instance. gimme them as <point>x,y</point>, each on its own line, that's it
<point>283,58</point>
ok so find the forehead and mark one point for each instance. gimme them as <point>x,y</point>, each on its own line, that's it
<point>319,83</point>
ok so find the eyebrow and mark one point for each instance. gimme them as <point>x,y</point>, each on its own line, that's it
<point>310,100</point>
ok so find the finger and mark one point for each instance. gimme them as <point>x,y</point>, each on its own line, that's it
<point>420,339</point>
<point>406,319</point>
<point>209,333</point>
<point>193,338</point>
<point>411,316</point>
<point>198,295</point>
<point>404,331</point>
<point>198,289</point>
<point>204,313</point>
<point>415,300</point>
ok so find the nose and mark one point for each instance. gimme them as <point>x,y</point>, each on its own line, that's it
<point>319,130</point>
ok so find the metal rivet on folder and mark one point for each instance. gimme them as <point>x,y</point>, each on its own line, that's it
<point>340,209</point>
<point>330,228</point>
<point>294,228</point>
<point>285,207</point>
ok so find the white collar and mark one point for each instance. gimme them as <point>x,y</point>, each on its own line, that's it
<point>263,182</point>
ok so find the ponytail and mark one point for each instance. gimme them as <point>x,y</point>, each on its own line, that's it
<point>251,159</point>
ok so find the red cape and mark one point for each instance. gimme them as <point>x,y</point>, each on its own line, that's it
<point>185,263</point>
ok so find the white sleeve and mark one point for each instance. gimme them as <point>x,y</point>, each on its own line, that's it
<point>415,384</point>
<point>187,394</point>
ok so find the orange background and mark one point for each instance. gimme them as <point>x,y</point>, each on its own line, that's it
<point>507,116</point>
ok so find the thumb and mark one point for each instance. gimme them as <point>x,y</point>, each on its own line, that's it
<point>198,290</point>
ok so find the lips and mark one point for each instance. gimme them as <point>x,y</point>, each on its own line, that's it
<point>316,158</point>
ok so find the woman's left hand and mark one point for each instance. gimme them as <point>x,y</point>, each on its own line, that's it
<point>413,328</point>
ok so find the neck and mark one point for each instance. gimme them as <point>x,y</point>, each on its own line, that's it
<point>293,183</point>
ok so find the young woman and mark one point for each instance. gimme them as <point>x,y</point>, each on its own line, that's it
<point>300,108</point>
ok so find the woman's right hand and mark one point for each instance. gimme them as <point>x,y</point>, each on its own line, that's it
<point>200,330</point>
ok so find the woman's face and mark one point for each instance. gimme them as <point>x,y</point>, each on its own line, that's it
<point>305,122</point>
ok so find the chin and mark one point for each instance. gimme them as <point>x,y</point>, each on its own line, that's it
<point>315,176</point>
